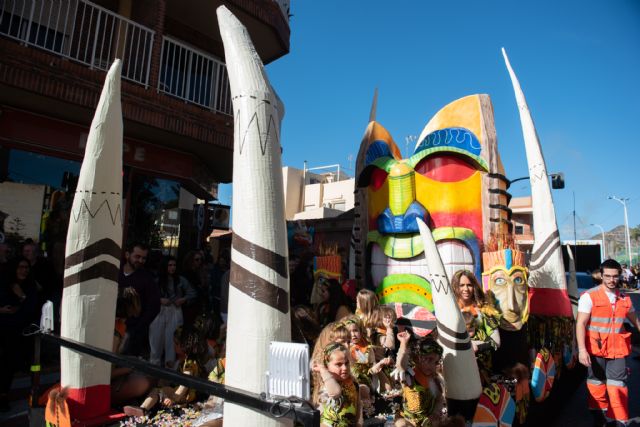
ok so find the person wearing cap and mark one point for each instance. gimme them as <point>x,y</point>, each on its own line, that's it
<point>603,344</point>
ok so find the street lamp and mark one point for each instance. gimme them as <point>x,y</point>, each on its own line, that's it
<point>624,201</point>
<point>604,242</point>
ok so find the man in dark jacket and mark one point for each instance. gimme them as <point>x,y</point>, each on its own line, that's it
<point>133,274</point>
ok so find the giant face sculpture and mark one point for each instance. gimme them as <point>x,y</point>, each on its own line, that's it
<point>506,277</point>
<point>453,181</point>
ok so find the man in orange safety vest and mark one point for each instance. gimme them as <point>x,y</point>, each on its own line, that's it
<point>603,344</point>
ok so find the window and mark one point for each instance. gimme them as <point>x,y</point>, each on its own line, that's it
<point>339,206</point>
<point>519,229</point>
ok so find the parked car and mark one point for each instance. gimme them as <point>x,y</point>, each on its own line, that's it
<point>585,282</point>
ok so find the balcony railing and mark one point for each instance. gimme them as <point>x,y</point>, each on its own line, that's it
<point>194,76</point>
<point>81,31</point>
<point>92,35</point>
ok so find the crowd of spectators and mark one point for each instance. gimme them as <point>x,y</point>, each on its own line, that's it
<point>169,295</point>
<point>173,314</point>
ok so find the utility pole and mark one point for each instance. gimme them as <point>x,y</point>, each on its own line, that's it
<point>575,234</point>
<point>624,201</point>
<point>604,242</point>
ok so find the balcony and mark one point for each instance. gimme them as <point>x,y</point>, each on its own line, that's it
<point>94,36</point>
<point>175,88</point>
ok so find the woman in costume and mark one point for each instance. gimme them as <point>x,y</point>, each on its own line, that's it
<point>484,318</point>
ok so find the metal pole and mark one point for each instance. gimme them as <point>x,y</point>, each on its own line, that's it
<point>626,227</point>
<point>575,235</point>
<point>304,183</point>
<point>604,242</point>
<point>35,373</point>
<point>623,201</point>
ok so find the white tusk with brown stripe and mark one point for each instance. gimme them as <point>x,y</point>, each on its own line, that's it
<point>460,368</point>
<point>548,295</point>
<point>92,260</point>
<point>259,278</point>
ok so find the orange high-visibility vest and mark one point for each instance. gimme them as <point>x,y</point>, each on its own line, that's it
<point>606,335</point>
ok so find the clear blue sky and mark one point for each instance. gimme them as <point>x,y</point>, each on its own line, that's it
<point>578,63</point>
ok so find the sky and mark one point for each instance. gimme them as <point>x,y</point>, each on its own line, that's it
<point>578,63</point>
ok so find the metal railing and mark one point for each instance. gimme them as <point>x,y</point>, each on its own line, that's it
<point>291,408</point>
<point>81,31</point>
<point>194,76</point>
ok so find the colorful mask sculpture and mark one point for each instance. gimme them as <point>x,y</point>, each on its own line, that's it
<point>505,276</point>
<point>453,181</point>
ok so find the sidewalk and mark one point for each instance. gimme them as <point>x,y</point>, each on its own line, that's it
<point>18,415</point>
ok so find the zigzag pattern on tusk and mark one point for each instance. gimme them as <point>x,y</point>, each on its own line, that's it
<point>452,339</point>
<point>439,283</point>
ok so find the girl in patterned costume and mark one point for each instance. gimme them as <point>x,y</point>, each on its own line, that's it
<point>422,387</point>
<point>336,393</point>
<point>364,367</point>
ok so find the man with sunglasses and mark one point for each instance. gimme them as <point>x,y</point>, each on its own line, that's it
<point>603,344</point>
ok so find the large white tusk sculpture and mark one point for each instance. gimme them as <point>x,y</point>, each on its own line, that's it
<point>92,260</point>
<point>460,368</point>
<point>259,279</point>
<point>548,293</point>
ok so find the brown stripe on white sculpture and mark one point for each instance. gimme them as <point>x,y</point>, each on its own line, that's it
<point>93,258</point>
<point>548,286</point>
<point>259,279</point>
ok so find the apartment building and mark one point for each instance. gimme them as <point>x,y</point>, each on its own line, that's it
<point>178,124</point>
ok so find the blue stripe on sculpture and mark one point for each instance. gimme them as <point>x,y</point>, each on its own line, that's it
<point>376,150</point>
<point>453,137</point>
<point>404,223</point>
<point>508,259</point>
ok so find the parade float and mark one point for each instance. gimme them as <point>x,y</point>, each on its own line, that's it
<point>454,183</point>
<point>418,220</point>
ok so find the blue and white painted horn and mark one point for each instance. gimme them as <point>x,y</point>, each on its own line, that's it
<point>259,278</point>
